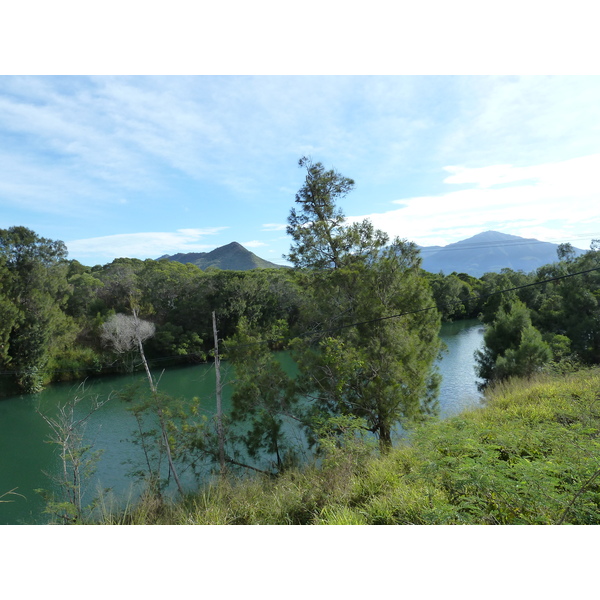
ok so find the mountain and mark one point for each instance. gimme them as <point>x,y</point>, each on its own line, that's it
<point>490,251</point>
<point>232,257</point>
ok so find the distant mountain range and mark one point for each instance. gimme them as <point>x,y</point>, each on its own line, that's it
<point>490,251</point>
<point>485,252</point>
<point>232,257</point>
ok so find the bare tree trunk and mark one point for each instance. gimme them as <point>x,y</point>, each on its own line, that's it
<point>125,333</point>
<point>161,419</point>
<point>149,375</point>
<point>219,400</point>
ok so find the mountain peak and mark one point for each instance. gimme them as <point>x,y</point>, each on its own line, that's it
<point>489,251</point>
<point>231,257</point>
<point>492,237</point>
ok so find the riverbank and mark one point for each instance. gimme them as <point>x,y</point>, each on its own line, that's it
<point>28,456</point>
<point>530,456</point>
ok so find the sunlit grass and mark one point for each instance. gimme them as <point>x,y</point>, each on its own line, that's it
<point>531,455</point>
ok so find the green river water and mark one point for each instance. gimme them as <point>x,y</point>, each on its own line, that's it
<point>26,457</point>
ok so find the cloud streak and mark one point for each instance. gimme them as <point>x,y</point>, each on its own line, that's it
<point>142,245</point>
<point>274,227</point>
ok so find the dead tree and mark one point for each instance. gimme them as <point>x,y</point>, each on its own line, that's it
<point>124,333</point>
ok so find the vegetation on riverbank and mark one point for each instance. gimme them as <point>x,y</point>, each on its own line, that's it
<point>530,456</point>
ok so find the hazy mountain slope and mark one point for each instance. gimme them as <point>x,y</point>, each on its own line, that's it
<point>489,251</point>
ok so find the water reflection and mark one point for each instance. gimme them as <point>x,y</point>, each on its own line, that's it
<point>24,455</point>
<point>458,390</point>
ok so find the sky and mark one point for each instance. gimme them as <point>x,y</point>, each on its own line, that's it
<point>142,166</point>
<point>452,118</point>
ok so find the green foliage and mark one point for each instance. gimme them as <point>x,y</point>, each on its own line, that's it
<point>84,297</point>
<point>263,398</point>
<point>565,311</point>
<point>530,356</point>
<point>522,460</point>
<point>455,295</point>
<point>74,363</point>
<point>513,347</point>
<point>33,294</point>
<point>370,361</point>
<point>317,228</point>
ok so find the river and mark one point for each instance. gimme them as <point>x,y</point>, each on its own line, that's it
<point>26,457</point>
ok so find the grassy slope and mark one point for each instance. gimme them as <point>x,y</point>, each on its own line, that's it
<point>530,457</point>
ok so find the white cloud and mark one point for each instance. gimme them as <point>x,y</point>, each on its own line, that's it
<point>274,227</point>
<point>521,120</point>
<point>553,198</point>
<point>143,245</point>
<point>194,233</point>
<point>253,244</point>
<point>486,176</point>
<point>77,147</point>
<point>568,175</point>
<point>26,183</point>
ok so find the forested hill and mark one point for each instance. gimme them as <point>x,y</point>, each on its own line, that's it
<point>232,257</point>
<point>490,251</point>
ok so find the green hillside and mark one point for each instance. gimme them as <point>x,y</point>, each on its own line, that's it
<point>232,257</point>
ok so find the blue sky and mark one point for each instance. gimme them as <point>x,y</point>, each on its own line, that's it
<point>142,166</point>
<point>146,165</point>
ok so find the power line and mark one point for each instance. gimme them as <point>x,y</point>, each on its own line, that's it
<point>320,333</point>
<point>420,310</point>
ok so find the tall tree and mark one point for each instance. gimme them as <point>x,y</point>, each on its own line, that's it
<point>317,228</point>
<point>376,339</point>
<point>34,290</point>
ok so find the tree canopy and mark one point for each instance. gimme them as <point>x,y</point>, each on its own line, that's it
<point>33,293</point>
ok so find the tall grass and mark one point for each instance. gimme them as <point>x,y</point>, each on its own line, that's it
<point>530,456</point>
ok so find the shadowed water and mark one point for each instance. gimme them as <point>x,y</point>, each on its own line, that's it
<point>26,457</point>
<point>458,390</point>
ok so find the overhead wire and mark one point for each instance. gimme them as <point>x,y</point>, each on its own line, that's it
<point>416,311</point>
<point>322,332</point>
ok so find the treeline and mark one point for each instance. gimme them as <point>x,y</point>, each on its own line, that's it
<point>549,318</point>
<point>52,309</point>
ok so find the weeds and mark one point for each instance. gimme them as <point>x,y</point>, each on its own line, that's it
<point>10,493</point>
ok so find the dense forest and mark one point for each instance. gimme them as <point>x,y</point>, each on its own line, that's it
<point>357,312</point>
